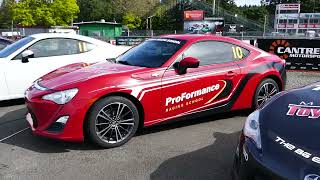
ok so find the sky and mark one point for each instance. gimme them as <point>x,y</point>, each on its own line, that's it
<point>247,2</point>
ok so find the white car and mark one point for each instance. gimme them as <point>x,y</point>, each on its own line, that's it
<point>26,60</point>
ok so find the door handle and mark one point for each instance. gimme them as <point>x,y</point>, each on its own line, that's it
<point>231,74</point>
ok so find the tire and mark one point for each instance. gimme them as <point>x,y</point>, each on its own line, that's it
<point>260,97</point>
<point>112,121</point>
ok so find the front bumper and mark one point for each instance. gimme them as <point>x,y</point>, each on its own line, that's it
<point>248,165</point>
<point>43,115</point>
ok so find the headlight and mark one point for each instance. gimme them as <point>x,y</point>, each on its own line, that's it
<point>61,97</point>
<point>252,128</point>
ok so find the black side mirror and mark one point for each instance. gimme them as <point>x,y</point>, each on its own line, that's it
<point>188,62</point>
<point>26,55</point>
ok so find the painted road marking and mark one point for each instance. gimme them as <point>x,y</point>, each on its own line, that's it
<point>14,134</point>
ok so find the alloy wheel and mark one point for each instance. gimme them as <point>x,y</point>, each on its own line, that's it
<point>114,122</point>
<point>266,92</point>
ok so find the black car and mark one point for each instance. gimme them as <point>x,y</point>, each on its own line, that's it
<point>4,42</point>
<point>280,140</point>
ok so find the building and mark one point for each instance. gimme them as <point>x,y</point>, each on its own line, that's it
<point>265,2</point>
<point>100,29</point>
<point>288,19</point>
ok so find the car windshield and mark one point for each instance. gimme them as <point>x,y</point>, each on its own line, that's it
<point>151,53</point>
<point>15,46</point>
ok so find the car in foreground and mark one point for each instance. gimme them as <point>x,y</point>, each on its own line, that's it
<point>24,61</point>
<point>280,139</point>
<point>164,78</point>
<point>4,42</point>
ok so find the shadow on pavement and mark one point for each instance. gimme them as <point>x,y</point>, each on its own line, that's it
<point>43,145</point>
<point>11,102</point>
<point>205,163</point>
<point>189,122</point>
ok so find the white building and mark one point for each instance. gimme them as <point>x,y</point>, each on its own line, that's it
<point>288,19</point>
<point>265,2</point>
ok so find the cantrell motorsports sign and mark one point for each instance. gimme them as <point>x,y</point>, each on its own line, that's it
<point>302,54</point>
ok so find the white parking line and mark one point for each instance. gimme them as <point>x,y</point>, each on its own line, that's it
<point>14,134</point>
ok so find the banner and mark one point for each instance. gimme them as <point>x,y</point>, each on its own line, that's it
<point>203,27</point>
<point>301,54</point>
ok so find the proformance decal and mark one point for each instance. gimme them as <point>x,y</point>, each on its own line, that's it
<point>186,96</point>
<point>166,40</point>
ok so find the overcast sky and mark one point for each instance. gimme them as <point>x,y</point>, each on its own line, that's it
<point>247,2</point>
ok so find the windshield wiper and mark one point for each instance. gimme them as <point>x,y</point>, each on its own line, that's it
<point>111,60</point>
<point>124,62</point>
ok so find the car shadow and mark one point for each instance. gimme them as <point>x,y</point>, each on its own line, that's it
<point>15,120</point>
<point>205,163</point>
<point>11,102</point>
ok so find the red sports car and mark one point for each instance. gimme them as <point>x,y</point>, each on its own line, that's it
<point>161,79</point>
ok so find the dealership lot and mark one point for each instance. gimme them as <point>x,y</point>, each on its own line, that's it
<point>195,149</point>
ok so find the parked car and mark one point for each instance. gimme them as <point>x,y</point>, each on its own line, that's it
<point>24,61</point>
<point>280,139</point>
<point>159,80</point>
<point>4,42</point>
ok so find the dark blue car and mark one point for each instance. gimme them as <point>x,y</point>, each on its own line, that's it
<point>281,140</point>
<point>4,42</point>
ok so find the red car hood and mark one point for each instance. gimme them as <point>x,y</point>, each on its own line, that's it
<point>80,72</point>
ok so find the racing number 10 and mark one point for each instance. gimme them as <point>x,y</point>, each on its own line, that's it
<point>237,52</point>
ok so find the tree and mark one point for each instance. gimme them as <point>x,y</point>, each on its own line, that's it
<point>5,13</point>
<point>91,10</point>
<point>256,13</point>
<point>44,13</point>
<point>131,20</point>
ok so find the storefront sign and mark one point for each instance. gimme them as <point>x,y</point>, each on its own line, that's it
<point>195,15</point>
<point>302,54</point>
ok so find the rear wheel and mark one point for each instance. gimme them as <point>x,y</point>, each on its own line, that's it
<point>266,89</point>
<point>112,121</point>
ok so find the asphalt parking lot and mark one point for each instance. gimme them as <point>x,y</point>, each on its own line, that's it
<point>194,149</point>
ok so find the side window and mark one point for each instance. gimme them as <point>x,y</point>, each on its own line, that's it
<point>215,52</point>
<point>58,47</point>
<point>85,46</point>
<point>54,47</point>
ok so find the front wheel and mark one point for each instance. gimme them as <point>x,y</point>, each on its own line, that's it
<point>112,121</point>
<point>266,89</point>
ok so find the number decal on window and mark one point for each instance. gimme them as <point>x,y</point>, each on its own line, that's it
<point>237,52</point>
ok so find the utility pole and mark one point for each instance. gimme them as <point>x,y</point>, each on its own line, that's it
<point>314,5</point>
<point>264,25</point>
<point>12,29</point>
<point>214,8</point>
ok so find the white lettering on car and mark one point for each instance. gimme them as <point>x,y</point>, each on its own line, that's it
<point>185,96</point>
<point>298,151</point>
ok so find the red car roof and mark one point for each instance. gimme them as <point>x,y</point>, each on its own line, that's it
<point>195,37</point>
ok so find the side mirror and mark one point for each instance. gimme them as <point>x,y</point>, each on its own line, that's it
<point>26,55</point>
<point>188,62</point>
